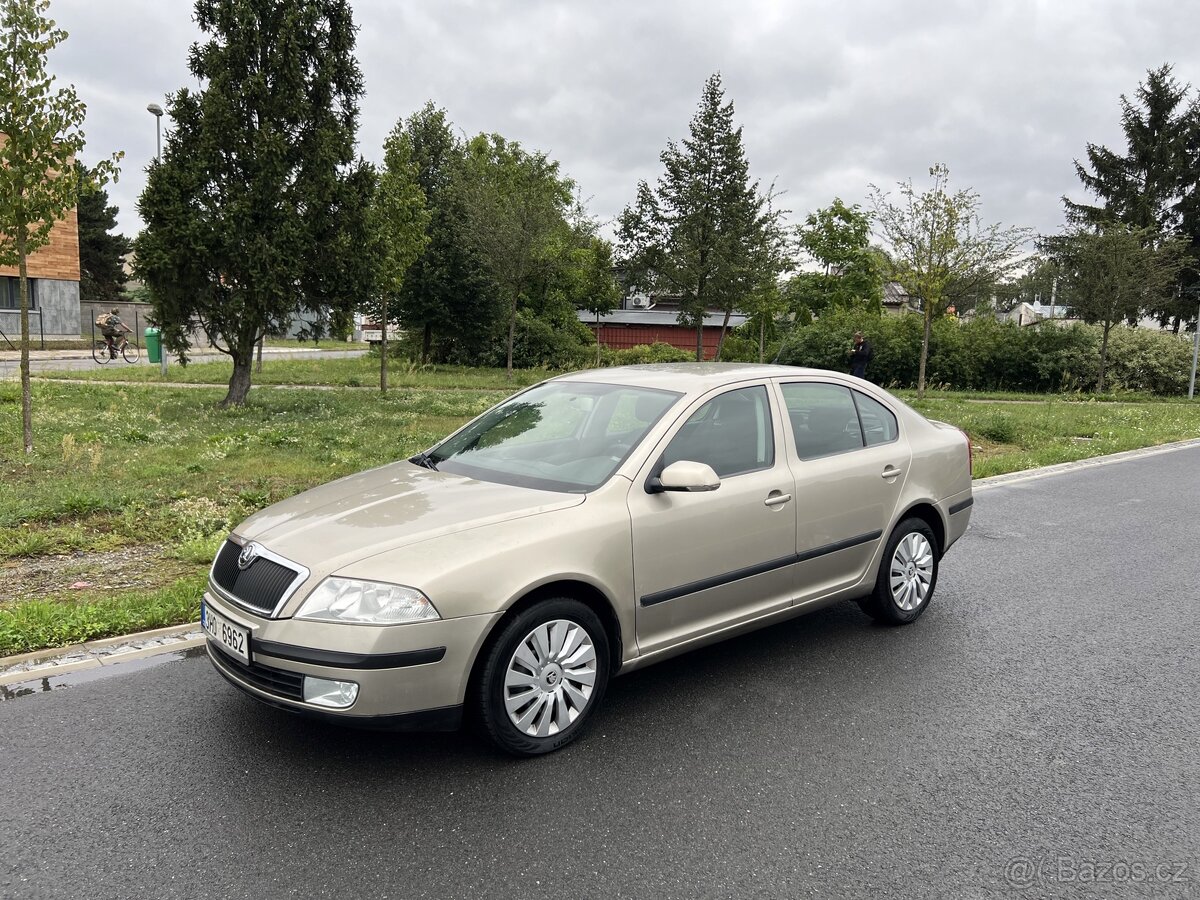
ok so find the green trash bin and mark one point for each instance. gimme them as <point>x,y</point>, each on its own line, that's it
<point>153,345</point>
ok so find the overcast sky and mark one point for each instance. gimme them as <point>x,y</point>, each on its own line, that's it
<point>832,96</point>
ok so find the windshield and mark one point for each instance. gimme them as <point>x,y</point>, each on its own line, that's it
<point>559,436</point>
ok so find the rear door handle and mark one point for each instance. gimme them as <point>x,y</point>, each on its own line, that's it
<point>777,499</point>
<point>890,472</point>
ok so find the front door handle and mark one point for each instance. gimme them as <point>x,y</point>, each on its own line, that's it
<point>890,472</point>
<point>777,499</point>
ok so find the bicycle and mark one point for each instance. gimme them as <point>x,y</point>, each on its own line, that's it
<point>102,352</point>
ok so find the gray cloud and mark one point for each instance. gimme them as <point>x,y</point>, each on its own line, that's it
<point>832,96</point>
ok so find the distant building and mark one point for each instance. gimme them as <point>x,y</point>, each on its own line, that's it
<point>625,328</point>
<point>53,287</point>
<point>896,300</point>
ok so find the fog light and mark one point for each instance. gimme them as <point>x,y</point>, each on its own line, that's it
<point>326,692</point>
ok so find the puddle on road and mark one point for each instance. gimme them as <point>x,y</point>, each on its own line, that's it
<point>45,682</point>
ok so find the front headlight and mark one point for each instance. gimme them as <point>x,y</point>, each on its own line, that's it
<point>366,603</point>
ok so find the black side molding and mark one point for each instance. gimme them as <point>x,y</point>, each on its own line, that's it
<point>769,566</point>
<point>716,581</point>
<point>341,660</point>
<point>961,505</point>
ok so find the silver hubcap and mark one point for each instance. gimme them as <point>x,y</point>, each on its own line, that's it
<point>550,677</point>
<point>912,571</point>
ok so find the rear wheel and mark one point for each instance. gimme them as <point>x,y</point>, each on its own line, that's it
<point>101,353</point>
<point>907,575</point>
<point>543,677</point>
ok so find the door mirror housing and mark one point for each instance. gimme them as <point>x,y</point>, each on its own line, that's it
<point>685,475</point>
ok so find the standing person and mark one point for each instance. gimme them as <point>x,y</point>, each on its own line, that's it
<point>111,327</point>
<point>860,354</point>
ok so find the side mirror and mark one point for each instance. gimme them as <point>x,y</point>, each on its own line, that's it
<point>686,475</point>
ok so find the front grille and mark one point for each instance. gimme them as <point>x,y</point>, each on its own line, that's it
<point>258,587</point>
<point>278,682</point>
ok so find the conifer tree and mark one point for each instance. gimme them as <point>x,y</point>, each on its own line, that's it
<point>699,232</point>
<point>253,213</point>
<point>1151,188</point>
<point>102,250</point>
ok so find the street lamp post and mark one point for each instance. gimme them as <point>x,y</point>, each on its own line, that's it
<point>157,111</point>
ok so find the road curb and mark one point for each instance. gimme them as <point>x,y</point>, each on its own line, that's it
<point>1089,463</point>
<point>115,650</point>
<point>93,654</point>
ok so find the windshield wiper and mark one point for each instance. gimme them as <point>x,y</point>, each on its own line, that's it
<point>424,459</point>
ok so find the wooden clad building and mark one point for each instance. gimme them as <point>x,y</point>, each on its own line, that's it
<point>54,287</point>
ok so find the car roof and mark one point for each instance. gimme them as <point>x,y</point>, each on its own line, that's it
<point>692,378</point>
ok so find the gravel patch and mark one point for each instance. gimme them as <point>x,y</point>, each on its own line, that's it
<point>135,566</point>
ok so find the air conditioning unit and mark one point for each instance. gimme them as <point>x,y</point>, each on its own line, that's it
<point>640,301</point>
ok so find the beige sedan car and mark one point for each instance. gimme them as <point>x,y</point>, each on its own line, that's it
<point>588,526</point>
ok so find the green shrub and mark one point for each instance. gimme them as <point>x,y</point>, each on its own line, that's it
<point>1147,361</point>
<point>540,342</point>
<point>985,355</point>
<point>645,354</point>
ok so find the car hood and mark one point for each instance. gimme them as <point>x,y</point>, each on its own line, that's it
<point>381,509</point>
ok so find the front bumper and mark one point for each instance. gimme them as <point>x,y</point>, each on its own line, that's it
<point>411,676</point>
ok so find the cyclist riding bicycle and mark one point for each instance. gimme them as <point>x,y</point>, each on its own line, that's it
<point>112,327</point>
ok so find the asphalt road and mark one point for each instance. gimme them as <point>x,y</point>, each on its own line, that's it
<point>1034,735</point>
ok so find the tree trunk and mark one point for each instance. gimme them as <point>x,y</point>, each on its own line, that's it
<point>762,334</point>
<point>26,389</point>
<point>700,341</point>
<point>924,350</point>
<point>1103,358</point>
<point>239,382</point>
<point>721,339</point>
<point>597,339</point>
<point>258,360</point>
<point>512,331</point>
<point>427,343</point>
<point>383,348</point>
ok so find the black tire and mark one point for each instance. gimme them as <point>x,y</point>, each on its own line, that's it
<point>552,688</point>
<point>912,571</point>
<point>101,353</point>
<point>130,352</point>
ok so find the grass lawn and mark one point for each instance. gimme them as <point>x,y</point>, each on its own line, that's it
<point>110,526</point>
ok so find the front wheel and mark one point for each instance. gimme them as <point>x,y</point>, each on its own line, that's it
<point>907,575</point>
<point>543,677</point>
<point>130,352</point>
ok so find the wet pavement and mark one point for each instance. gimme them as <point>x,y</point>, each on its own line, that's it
<point>1033,735</point>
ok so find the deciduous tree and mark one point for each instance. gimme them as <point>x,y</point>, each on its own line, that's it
<point>40,139</point>
<point>252,211</point>
<point>447,297</point>
<point>838,239</point>
<point>592,284</point>
<point>1107,274</point>
<point>516,204</point>
<point>939,249</point>
<point>398,220</point>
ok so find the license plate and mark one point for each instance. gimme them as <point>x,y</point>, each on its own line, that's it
<point>233,638</point>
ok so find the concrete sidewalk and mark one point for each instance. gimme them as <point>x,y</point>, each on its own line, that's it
<point>66,360</point>
<point>7,355</point>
